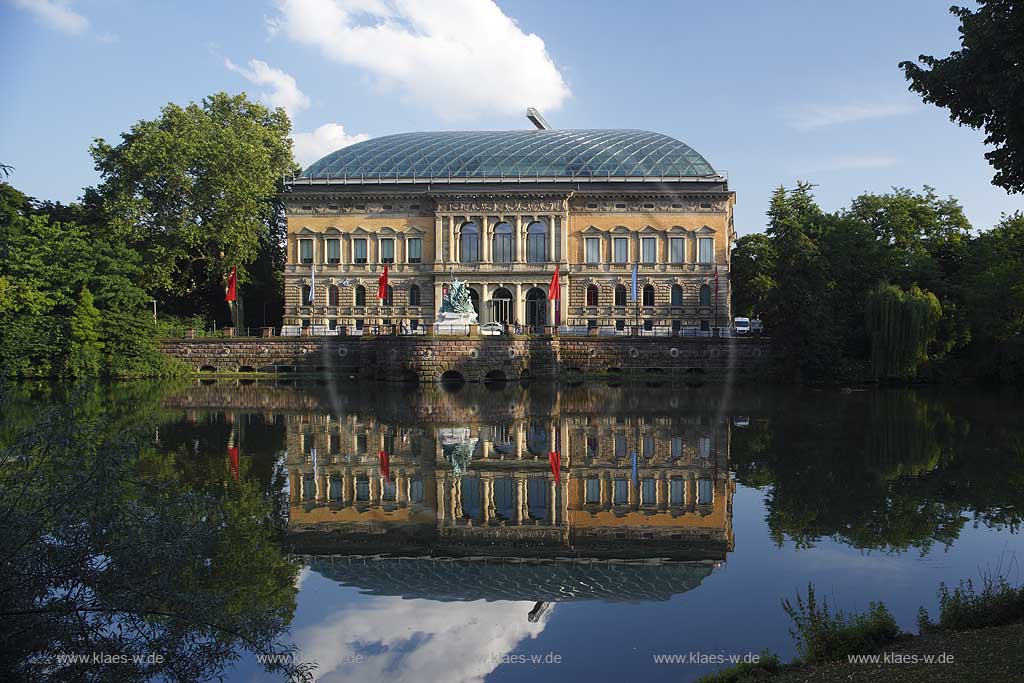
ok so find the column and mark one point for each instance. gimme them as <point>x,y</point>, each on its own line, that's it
<point>564,507</point>
<point>348,486</point>
<point>451,239</point>
<point>606,247</point>
<point>441,505</point>
<point>519,440</point>
<point>485,241</point>
<point>438,239</point>
<point>550,220</point>
<point>552,501</point>
<point>484,298</point>
<point>294,484</point>
<point>438,286</point>
<point>374,249</point>
<point>520,314</point>
<point>520,249</point>
<point>520,500</point>
<point>564,256</point>
<point>486,500</point>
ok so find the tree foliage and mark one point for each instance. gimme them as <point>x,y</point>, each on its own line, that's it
<point>982,84</point>
<point>901,325</point>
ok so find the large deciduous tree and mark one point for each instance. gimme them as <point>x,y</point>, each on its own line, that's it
<point>195,191</point>
<point>982,84</point>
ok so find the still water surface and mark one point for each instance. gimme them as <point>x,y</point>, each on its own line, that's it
<point>435,542</point>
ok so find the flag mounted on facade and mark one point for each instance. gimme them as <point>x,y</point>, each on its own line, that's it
<point>636,267</point>
<point>555,458</point>
<point>312,285</point>
<point>636,476</point>
<point>231,293</point>
<point>382,284</point>
<point>233,458</point>
<point>555,294</point>
<point>385,465</point>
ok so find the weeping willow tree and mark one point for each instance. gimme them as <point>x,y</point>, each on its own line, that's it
<point>900,325</point>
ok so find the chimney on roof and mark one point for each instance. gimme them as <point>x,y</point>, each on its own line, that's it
<point>536,119</point>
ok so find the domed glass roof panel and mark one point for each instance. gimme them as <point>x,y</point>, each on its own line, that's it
<point>514,153</point>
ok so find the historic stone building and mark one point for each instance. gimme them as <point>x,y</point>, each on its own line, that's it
<point>502,209</point>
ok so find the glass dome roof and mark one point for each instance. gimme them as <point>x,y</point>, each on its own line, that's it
<point>560,153</point>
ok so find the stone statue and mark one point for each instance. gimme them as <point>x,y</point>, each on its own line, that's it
<point>457,306</point>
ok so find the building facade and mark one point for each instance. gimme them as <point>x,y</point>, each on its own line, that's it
<point>501,210</point>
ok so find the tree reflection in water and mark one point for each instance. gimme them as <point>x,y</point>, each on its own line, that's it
<point>109,555</point>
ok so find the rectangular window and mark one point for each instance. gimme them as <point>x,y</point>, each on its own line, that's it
<point>704,492</point>
<point>593,250</point>
<point>388,491</point>
<point>675,492</point>
<point>306,251</point>
<point>704,447</point>
<point>414,246</point>
<point>593,490</point>
<point>621,492</point>
<point>502,245</point>
<point>648,492</point>
<point>416,491</point>
<point>677,444</point>
<point>620,248</point>
<point>387,251</point>
<point>359,250</point>
<point>362,488</point>
<point>649,249</point>
<point>620,445</point>
<point>677,250</point>
<point>648,446</point>
<point>334,251</point>
<point>706,253</point>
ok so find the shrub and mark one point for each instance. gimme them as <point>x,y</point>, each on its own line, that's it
<point>765,668</point>
<point>964,608</point>
<point>822,634</point>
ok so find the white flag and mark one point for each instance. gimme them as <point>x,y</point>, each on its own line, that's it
<point>312,284</point>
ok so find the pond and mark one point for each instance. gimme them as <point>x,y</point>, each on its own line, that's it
<point>484,532</point>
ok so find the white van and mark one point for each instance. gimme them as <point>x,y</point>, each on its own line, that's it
<point>742,326</point>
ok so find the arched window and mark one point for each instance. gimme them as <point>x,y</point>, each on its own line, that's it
<point>502,243</point>
<point>332,295</point>
<point>677,295</point>
<point>620,295</point>
<point>469,245</point>
<point>414,295</point>
<point>592,295</point>
<point>389,297</point>
<point>537,243</point>
<point>501,306</point>
<point>305,296</point>
<point>705,295</point>
<point>648,295</point>
<point>360,295</point>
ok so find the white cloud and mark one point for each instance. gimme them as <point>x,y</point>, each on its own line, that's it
<point>309,147</point>
<point>822,115</point>
<point>282,91</point>
<point>462,58</point>
<point>56,14</point>
<point>848,163</point>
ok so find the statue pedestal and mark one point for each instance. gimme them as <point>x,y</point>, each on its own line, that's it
<point>454,323</point>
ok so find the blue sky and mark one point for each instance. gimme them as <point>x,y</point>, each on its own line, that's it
<point>770,92</point>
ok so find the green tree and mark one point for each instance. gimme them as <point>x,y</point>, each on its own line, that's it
<point>982,84</point>
<point>753,262</point>
<point>194,191</point>
<point>84,338</point>
<point>901,326</point>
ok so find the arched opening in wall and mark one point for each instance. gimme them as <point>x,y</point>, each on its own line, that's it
<point>592,295</point>
<point>414,295</point>
<point>704,298</point>
<point>469,243</point>
<point>474,297</point>
<point>648,295</point>
<point>452,381</point>
<point>333,295</point>
<point>360,295</point>
<point>501,306</point>
<point>677,295</point>
<point>536,307</point>
<point>246,382</point>
<point>207,381</point>
<point>305,296</point>
<point>537,242</point>
<point>246,368</point>
<point>655,377</point>
<point>495,377</point>
<point>207,368</point>
<point>620,295</point>
<point>502,252</point>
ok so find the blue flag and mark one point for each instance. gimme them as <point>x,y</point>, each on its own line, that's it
<point>635,268</point>
<point>635,475</point>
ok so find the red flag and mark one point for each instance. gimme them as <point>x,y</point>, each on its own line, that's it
<point>555,458</point>
<point>555,294</point>
<point>232,294</point>
<point>382,284</point>
<point>233,455</point>
<point>385,468</point>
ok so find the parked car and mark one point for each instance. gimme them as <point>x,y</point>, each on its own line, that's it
<point>756,327</point>
<point>742,326</point>
<point>492,329</point>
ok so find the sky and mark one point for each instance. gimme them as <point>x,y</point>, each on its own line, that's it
<point>769,92</point>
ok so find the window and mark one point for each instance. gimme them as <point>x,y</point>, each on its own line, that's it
<point>648,494</point>
<point>306,251</point>
<point>675,492</point>
<point>677,250</point>
<point>305,296</point>
<point>334,251</point>
<point>537,243</point>
<point>677,295</point>
<point>502,243</point>
<point>414,295</point>
<point>416,490</point>
<point>705,296</point>
<point>469,243</point>
<point>362,488</point>
<point>648,325</point>
<point>648,295</point>
<point>593,490</point>
<point>360,295</point>
<point>706,253</point>
<point>704,495</point>
<point>620,249</point>
<point>620,494</point>
<point>620,295</point>
<point>387,250</point>
<point>359,250</point>
<point>620,445</point>
<point>648,446</point>
<point>649,249</point>
<point>677,446</point>
<point>620,324</point>
<point>389,296</point>
<point>332,295</point>
<point>593,247</point>
<point>388,491</point>
<point>592,295</point>
<point>704,446</point>
<point>414,250</point>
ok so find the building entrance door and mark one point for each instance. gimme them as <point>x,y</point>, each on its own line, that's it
<point>536,308</point>
<point>501,306</point>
